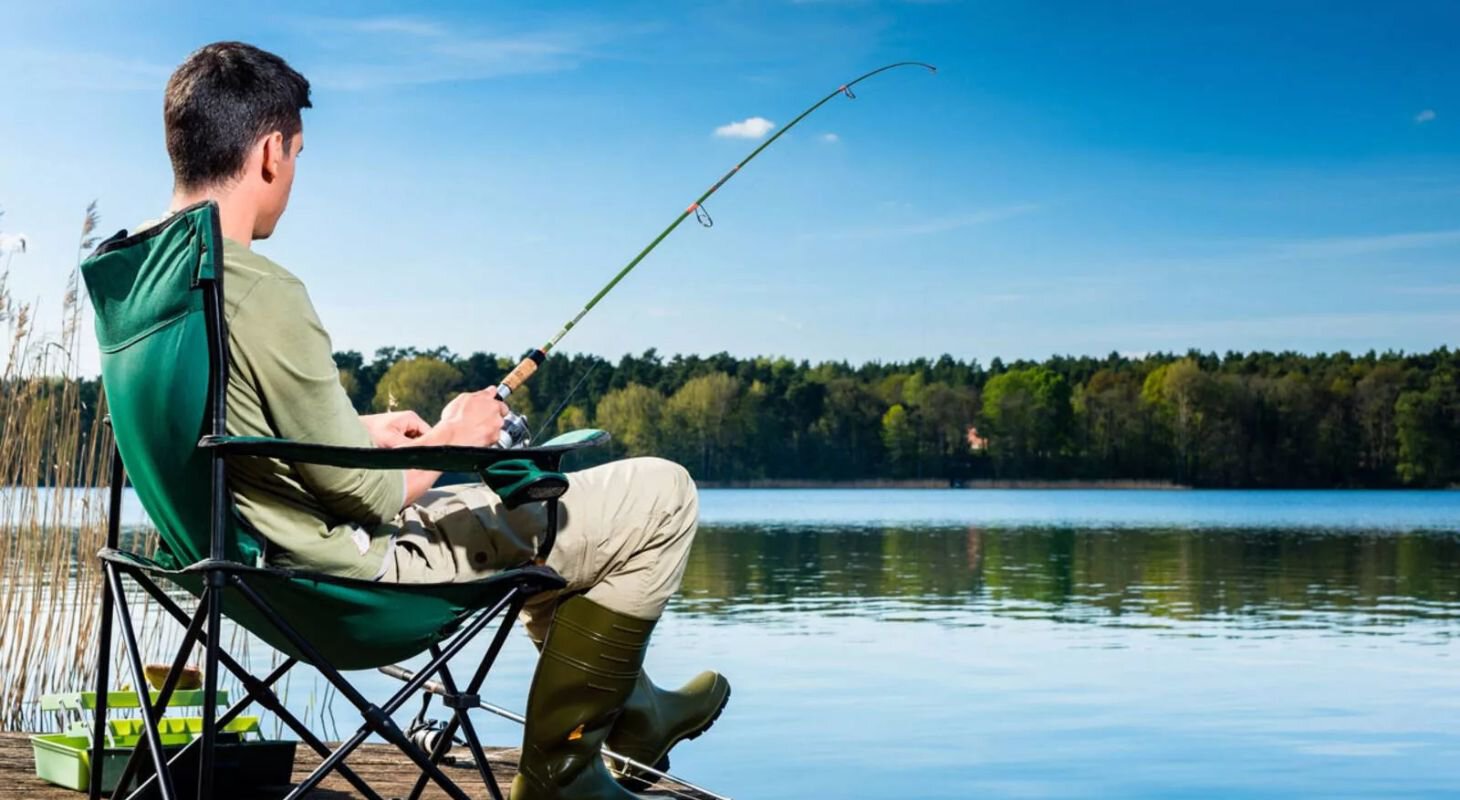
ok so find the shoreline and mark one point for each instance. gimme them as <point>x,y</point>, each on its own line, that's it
<point>944,484</point>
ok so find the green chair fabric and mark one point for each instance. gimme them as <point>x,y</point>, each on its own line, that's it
<point>148,291</point>
<point>155,368</point>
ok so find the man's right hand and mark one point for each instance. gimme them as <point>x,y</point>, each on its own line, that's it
<point>473,419</point>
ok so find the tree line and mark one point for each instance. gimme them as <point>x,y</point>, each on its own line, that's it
<point>1235,420</point>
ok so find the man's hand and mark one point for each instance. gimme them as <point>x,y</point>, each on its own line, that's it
<point>473,419</point>
<point>395,429</point>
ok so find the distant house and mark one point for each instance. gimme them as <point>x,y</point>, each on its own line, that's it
<point>976,443</point>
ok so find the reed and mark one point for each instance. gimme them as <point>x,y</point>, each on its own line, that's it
<point>52,507</point>
<point>54,460</point>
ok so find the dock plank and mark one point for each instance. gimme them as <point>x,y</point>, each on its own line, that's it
<point>382,766</point>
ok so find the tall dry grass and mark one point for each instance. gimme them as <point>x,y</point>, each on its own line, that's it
<point>54,461</point>
<point>52,505</point>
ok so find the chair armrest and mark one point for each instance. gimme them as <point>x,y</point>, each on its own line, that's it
<point>440,458</point>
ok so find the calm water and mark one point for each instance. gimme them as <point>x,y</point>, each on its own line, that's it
<point>954,644</point>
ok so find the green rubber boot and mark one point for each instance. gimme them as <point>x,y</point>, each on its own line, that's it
<point>655,720</point>
<point>587,671</point>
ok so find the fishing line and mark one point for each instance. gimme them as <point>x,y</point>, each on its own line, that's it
<point>547,423</point>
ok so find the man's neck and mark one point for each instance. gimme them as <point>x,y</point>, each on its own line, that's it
<point>236,219</point>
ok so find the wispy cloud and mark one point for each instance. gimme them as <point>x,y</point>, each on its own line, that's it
<point>1428,115</point>
<point>830,138</point>
<point>1221,255</point>
<point>406,26</point>
<point>1440,289</point>
<point>412,50</point>
<point>1280,330</point>
<point>930,226</point>
<point>1348,246</point>
<point>752,128</point>
<point>36,69</point>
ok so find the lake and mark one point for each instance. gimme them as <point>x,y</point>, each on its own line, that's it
<point>953,644</point>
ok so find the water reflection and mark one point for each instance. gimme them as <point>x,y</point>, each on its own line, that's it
<point>1360,582</point>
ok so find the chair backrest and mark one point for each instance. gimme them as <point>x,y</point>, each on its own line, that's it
<point>164,365</point>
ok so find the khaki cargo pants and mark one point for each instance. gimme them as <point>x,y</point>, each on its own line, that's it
<point>624,533</point>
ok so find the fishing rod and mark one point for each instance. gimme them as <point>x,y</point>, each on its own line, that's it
<point>515,432</point>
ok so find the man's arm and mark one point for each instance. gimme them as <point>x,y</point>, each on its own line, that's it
<point>279,344</point>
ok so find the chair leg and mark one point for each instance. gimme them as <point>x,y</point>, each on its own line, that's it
<point>103,678</point>
<point>461,705</point>
<point>104,646</point>
<point>139,678</point>
<point>258,690</point>
<point>154,710</point>
<point>213,601</point>
<point>377,718</point>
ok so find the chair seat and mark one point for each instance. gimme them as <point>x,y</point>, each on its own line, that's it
<point>355,624</point>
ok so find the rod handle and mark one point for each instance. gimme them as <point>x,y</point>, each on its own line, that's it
<point>520,373</point>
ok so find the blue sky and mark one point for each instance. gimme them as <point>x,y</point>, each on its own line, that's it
<point>1077,178</point>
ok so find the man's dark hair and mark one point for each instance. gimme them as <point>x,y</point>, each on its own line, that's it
<point>220,101</point>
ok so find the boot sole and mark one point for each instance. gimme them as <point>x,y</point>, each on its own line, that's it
<point>636,783</point>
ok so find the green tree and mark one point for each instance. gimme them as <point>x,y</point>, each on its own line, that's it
<point>945,413</point>
<point>703,415</point>
<point>633,415</point>
<point>1427,425</point>
<point>422,384</point>
<point>1027,416</point>
<point>350,382</point>
<point>573,418</point>
<point>1176,391</point>
<point>847,435</point>
<point>1114,428</point>
<point>900,440</point>
<point>1375,396</point>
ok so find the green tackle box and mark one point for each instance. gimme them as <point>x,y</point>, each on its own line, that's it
<point>244,760</point>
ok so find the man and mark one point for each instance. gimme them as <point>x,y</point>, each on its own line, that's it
<point>235,135</point>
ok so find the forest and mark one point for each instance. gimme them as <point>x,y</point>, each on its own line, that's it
<point>1199,419</point>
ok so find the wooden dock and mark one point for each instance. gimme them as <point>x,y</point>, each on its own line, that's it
<point>382,766</point>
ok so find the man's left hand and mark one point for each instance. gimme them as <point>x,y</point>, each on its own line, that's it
<point>395,429</point>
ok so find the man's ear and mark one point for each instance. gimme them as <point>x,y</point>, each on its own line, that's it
<point>273,154</point>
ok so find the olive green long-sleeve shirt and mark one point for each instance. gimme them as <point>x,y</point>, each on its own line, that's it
<point>282,381</point>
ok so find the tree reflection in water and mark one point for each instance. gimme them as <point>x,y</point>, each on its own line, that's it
<point>1259,578</point>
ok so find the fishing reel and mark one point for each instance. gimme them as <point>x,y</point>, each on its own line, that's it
<point>428,735</point>
<point>515,432</point>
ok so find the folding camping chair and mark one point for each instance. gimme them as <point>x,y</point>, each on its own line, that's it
<point>164,355</point>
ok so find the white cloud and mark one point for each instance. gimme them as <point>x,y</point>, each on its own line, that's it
<point>830,138</point>
<point>752,128</point>
<point>1428,115</point>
